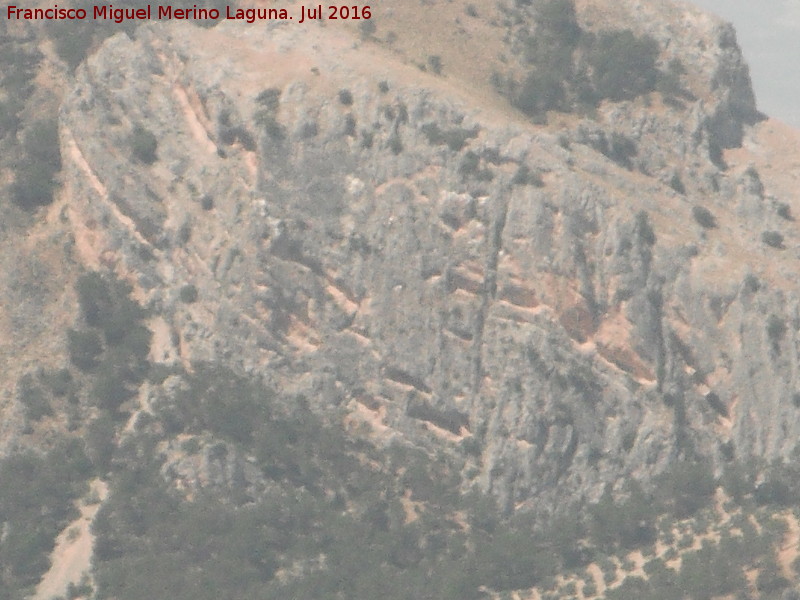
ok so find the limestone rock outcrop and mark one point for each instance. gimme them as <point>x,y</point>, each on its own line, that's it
<point>381,242</point>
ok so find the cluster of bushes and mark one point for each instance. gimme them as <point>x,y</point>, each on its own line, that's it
<point>39,392</point>
<point>36,502</point>
<point>773,239</point>
<point>473,166</point>
<point>269,102</point>
<point>16,81</point>
<point>573,69</point>
<point>776,331</point>
<point>230,134</point>
<point>143,145</point>
<point>715,570</point>
<point>114,346</point>
<point>704,217</point>
<point>34,178</point>
<point>624,524</point>
<point>455,138</point>
<point>689,486</point>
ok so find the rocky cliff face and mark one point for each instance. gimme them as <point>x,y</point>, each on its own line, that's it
<point>443,272</point>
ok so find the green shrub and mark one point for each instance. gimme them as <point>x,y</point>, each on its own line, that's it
<point>716,403</point>
<point>770,580</point>
<point>346,97</point>
<point>709,572</point>
<point>632,588</point>
<point>395,144</point>
<point>367,29</point>
<point>469,163</point>
<point>644,230</point>
<point>574,70</point>
<point>776,331</point>
<point>669,86</point>
<point>690,486</point>
<point>73,48</point>
<point>435,64</point>
<point>367,139</point>
<point>41,144</point>
<point>622,149</point>
<point>84,349</point>
<point>111,389</point>
<point>59,381</point>
<point>134,346</point>
<point>540,92</point>
<point>471,446</point>
<point>525,176</point>
<point>511,561</point>
<point>653,566</point>
<point>704,217</point>
<point>737,482</point>
<point>143,145</point>
<point>271,126</point>
<point>82,590</point>
<point>100,441</point>
<point>551,46</point>
<point>623,524</point>
<point>773,239</point>
<point>9,122</point>
<point>94,297</point>
<point>623,64</point>
<point>609,569</point>
<point>34,181</point>
<point>270,99</point>
<point>191,446</point>
<point>557,18</point>
<point>773,492</point>
<point>106,303</point>
<point>33,398</point>
<point>188,293</point>
<point>32,187</point>
<point>455,138</point>
<point>676,184</point>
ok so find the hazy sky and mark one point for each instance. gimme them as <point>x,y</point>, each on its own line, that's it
<point>769,35</point>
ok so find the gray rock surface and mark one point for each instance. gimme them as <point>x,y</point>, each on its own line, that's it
<point>568,332</point>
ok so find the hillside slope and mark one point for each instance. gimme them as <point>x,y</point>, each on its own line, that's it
<point>547,286</point>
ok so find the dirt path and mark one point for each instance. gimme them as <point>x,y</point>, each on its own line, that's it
<point>72,556</point>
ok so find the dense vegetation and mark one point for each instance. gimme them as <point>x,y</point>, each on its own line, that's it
<point>570,69</point>
<point>34,180</point>
<point>36,502</point>
<point>16,82</point>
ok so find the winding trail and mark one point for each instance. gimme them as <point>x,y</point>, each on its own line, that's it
<point>72,556</point>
